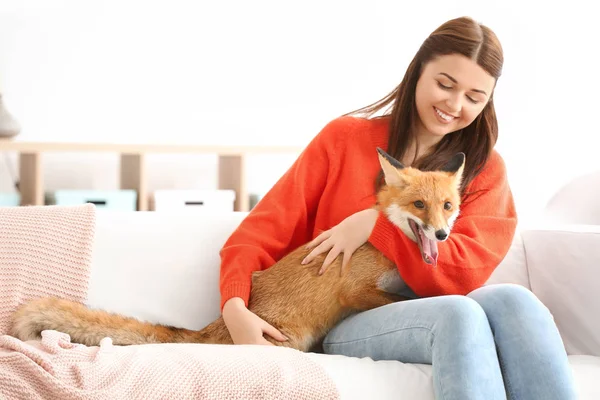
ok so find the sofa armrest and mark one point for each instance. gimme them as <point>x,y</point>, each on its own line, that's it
<point>564,272</point>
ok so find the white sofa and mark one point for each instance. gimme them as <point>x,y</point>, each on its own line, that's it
<point>164,267</point>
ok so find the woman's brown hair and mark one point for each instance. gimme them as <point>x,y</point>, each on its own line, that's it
<point>457,36</point>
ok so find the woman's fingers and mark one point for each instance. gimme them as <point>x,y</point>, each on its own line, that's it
<point>323,236</point>
<point>323,247</point>
<point>331,256</point>
<point>273,332</point>
<point>345,262</point>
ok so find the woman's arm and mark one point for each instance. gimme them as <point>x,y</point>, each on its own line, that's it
<point>283,219</point>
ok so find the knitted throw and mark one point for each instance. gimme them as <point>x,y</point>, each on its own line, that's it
<point>44,251</point>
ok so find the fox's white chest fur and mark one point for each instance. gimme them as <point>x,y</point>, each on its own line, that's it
<point>391,282</point>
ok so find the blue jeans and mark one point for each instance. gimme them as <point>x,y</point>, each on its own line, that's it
<point>497,342</point>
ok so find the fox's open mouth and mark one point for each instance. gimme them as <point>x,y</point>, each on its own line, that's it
<point>428,247</point>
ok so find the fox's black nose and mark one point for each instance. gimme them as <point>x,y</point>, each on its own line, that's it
<point>441,234</point>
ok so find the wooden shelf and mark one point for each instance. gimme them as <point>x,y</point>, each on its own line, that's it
<point>133,172</point>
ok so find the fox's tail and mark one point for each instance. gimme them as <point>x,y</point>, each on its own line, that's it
<point>88,327</point>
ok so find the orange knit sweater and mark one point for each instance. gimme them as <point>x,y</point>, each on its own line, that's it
<point>334,178</point>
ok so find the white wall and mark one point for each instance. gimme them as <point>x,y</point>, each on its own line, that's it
<point>252,72</point>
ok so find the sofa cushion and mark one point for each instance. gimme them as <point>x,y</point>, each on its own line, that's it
<point>586,370</point>
<point>564,272</point>
<point>160,267</point>
<point>513,268</point>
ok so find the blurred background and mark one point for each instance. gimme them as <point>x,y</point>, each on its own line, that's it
<point>274,73</point>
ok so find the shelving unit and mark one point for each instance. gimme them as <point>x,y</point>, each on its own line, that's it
<point>133,172</point>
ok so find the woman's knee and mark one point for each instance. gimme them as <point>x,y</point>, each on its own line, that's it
<point>461,313</point>
<point>509,297</point>
<point>510,302</point>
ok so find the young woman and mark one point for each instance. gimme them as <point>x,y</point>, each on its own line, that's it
<point>483,342</point>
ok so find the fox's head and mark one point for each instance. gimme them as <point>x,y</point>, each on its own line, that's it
<point>423,204</point>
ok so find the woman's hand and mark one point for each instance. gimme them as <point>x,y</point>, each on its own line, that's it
<point>245,327</point>
<point>345,238</point>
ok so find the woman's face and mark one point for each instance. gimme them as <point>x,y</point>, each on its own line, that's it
<point>450,94</point>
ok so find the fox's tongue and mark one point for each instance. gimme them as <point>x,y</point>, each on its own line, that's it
<point>429,248</point>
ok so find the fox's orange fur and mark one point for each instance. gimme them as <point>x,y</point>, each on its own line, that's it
<point>292,297</point>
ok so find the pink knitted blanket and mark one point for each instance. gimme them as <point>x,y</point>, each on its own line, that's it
<point>47,251</point>
<point>44,251</point>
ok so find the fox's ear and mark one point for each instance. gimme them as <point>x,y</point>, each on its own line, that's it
<point>395,163</point>
<point>456,166</point>
<point>391,168</point>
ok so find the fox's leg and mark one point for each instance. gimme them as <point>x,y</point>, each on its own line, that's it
<point>369,299</point>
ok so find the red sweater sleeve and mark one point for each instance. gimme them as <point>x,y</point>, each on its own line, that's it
<point>480,239</point>
<point>281,221</point>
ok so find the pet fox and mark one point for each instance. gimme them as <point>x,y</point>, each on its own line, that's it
<point>292,297</point>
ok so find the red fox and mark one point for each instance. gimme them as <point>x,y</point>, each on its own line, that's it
<point>290,296</point>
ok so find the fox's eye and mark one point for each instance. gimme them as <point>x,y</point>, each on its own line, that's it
<point>448,206</point>
<point>419,204</point>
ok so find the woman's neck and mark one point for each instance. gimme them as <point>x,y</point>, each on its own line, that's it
<point>426,142</point>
